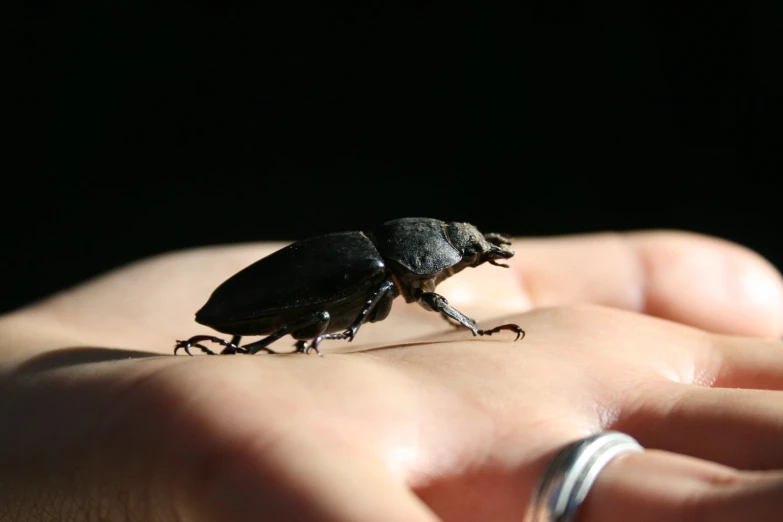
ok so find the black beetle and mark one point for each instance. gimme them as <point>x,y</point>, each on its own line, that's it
<point>336,282</point>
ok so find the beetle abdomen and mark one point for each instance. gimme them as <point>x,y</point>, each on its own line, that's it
<point>318,273</point>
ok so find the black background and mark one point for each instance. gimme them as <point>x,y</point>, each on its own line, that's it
<point>143,129</point>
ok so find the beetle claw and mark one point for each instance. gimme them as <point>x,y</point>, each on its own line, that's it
<point>513,327</point>
<point>350,333</point>
<point>303,347</point>
<point>184,345</point>
<point>314,346</point>
<point>187,345</point>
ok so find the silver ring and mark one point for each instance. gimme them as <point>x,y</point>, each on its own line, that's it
<point>569,476</point>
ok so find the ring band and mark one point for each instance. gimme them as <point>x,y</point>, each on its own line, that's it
<point>569,476</point>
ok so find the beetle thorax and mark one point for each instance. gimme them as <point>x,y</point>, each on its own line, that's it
<point>423,252</point>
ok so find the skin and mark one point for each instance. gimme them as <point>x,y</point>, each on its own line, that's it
<point>672,338</point>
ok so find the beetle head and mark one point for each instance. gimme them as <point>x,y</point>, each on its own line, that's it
<point>478,248</point>
<point>501,248</point>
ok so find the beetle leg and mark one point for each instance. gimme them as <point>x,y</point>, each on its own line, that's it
<point>323,337</point>
<point>231,347</point>
<point>350,333</point>
<point>437,303</point>
<point>379,294</point>
<point>456,324</point>
<point>310,320</point>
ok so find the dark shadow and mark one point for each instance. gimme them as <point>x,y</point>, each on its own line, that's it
<point>397,346</point>
<point>426,340</point>
<point>72,356</point>
<point>76,355</point>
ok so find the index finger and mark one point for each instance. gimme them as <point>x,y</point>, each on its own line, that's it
<point>698,280</point>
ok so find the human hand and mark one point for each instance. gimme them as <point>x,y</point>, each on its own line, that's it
<point>413,420</point>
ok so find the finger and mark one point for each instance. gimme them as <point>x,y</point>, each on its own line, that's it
<point>698,280</point>
<point>735,427</point>
<point>755,364</point>
<point>654,486</point>
<point>313,485</point>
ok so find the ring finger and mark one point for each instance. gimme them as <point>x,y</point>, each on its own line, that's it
<point>659,485</point>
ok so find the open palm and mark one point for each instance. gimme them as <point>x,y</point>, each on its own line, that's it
<point>414,420</point>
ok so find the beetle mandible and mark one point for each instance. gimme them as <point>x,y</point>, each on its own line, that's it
<point>326,287</point>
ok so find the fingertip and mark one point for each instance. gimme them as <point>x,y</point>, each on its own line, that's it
<point>762,289</point>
